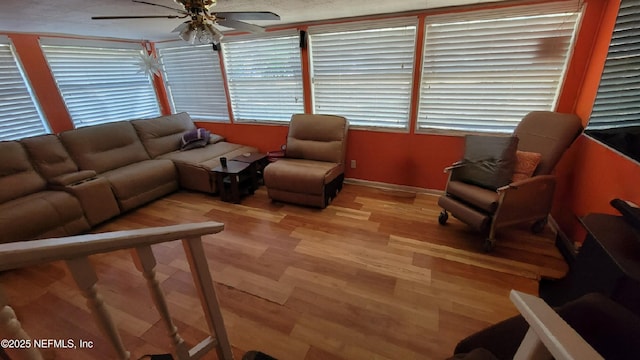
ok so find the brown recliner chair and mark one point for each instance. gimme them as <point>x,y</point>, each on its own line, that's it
<point>312,169</point>
<point>528,200</point>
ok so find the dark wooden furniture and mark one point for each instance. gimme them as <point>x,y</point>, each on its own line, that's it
<point>235,179</point>
<point>608,263</point>
<point>256,160</point>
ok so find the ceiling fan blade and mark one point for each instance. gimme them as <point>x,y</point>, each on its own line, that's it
<point>239,25</point>
<point>160,5</point>
<point>248,15</point>
<point>139,17</point>
<point>181,27</point>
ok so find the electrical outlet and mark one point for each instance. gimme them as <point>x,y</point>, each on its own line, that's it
<point>353,164</point>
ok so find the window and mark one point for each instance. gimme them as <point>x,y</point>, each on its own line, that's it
<point>483,71</point>
<point>364,72</point>
<point>101,82</point>
<point>19,113</point>
<point>618,101</point>
<point>615,119</point>
<point>194,81</point>
<point>264,77</point>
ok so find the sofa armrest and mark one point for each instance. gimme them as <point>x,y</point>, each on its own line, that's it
<point>215,138</point>
<point>72,178</point>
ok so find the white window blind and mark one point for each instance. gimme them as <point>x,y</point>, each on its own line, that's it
<point>19,113</point>
<point>264,77</point>
<point>483,71</point>
<point>101,84</point>
<point>365,73</point>
<point>618,100</point>
<point>194,81</point>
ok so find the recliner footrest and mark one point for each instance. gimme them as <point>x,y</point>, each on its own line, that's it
<point>465,213</point>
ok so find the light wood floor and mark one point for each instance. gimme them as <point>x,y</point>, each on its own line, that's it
<point>373,276</point>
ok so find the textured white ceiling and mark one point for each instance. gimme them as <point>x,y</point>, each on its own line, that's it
<point>73,17</point>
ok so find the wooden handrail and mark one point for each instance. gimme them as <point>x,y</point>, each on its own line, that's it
<point>35,252</point>
<point>75,252</point>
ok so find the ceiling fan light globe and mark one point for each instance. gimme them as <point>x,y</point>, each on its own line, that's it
<point>217,38</point>
<point>214,34</point>
<point>188,34</point>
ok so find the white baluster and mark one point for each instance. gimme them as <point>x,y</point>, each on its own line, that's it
<point>204,284</point>
<point>11,330</point>
<point>146,262</point>
<point>86,279</point>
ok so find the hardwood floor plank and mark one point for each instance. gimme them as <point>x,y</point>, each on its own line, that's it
<point>488,261</point>
<point>315,353</point>
<point>344,342</point>
<point>249,335</point>
<point>372,276</point>
<point>254,284</point>
<point>385,263</point>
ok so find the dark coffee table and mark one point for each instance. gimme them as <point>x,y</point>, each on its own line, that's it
<point>256,160</point>
<point>235,179</point>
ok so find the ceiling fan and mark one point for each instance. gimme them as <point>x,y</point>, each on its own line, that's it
<point>199,28</point>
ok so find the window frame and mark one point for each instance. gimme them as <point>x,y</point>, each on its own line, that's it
<point>36,110</point>
<point>124,110</point>
<point>213,73</point>
<point>562,9</point>
<point>295,97</point>
<point>406,72</point>
<point>623,57</point>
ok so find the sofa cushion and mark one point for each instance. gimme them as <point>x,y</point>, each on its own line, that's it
<point>194,166</point>
<point>488,160</point>
<point>42,214</point>
<point>548,133</point>
<point>49,156</point>
<point>104,147</point>
<point>162,134</point>
<point>300,175</point>
<point>17,176</point>
<point>211,152</point>
<point>317,137</point>
<point>526,164</point>
<point>139,183</point>
<point>72,178</point>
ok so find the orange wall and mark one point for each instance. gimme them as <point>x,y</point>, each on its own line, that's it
<point>589,175</point>
<point>396,158</point>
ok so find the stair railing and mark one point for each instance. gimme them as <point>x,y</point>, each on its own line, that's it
<point>75,252</point>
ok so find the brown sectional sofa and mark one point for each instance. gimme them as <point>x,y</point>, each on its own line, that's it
<point>59,185</point>
<point>28,208</point>
<point>115,152</point>
<point>53,162</point>
<point>161,138</point>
